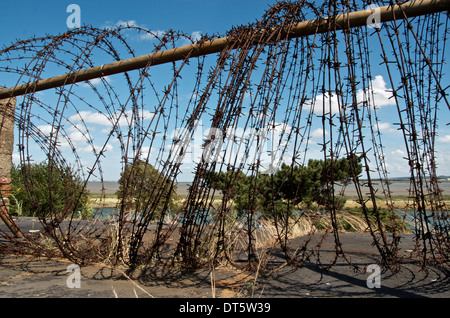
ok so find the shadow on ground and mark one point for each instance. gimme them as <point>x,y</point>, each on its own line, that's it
<point>29,277</point>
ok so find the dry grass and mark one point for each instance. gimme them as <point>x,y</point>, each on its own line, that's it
<point>104,202</point>
<point>399,202</point>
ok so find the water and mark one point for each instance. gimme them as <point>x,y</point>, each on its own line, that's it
<point>105,213</point>
<point>397,188</point>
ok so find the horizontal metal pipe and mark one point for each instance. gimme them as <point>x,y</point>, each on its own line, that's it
<point>301,29</point>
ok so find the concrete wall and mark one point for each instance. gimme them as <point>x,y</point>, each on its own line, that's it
<point>7,109</point>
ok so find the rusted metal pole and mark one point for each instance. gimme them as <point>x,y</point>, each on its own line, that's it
<point>301,29</point>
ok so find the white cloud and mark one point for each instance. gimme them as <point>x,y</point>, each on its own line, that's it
<point>193,38</point>
<point>102,119</point>
<point>318,133</point>
<point>398,152</point>
<point>120,24</point>
<point>16,158</point>
<point>278,128</point>
<point>89,117</point>
<point>386,127</point>
<point>90,148</point>
<point>46,129</point>
<point>83,128</point>
<point>77,137</point>
<point>397,168</point>
<point>97,81</point>
<point>145,152</point>
<point>196,36</point>
<point>442,155</point>
<point>377,95</point>
<point>131,23</point>
<point>146,35</point>
<point>151,35</point>
<point>395,162</point>
<point>445,139</point>
<point>328,102</point>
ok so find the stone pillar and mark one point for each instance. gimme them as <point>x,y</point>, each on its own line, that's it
<point>7,109</point>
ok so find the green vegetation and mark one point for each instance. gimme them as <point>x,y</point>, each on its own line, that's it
<point>45,190</point>
<point>142,187</point>
<point>290,188</point>
<point>305,190</point>
<point>48,190</point>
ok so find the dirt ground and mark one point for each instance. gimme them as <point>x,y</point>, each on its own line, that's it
<point>29,277</point>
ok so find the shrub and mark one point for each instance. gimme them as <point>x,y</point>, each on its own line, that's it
<point>45,189</point>
<point>142,188</point>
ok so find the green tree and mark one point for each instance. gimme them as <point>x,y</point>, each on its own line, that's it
<point>313,183</point>
<point>141,186</point>
<point>288,187</point>
<point>237,186</point>
<point>45,189</point>
<point>333,171</point>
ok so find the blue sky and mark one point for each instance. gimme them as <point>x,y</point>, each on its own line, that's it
<point>37,18</point>
<point>25,19</point>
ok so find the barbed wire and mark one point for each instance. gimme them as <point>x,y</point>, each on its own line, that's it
<point>263,89</point>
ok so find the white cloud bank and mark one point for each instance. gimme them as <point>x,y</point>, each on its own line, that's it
<point>148,34</point>
<point>97,81</point>
<point>124,119</point>
<point>385,127</point>
<point>445,139</point>
<point>377,95</point>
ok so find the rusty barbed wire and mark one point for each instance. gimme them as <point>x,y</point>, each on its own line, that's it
<point>262,88</point>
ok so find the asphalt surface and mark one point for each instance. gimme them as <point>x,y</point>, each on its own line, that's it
<point>30,277</point>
